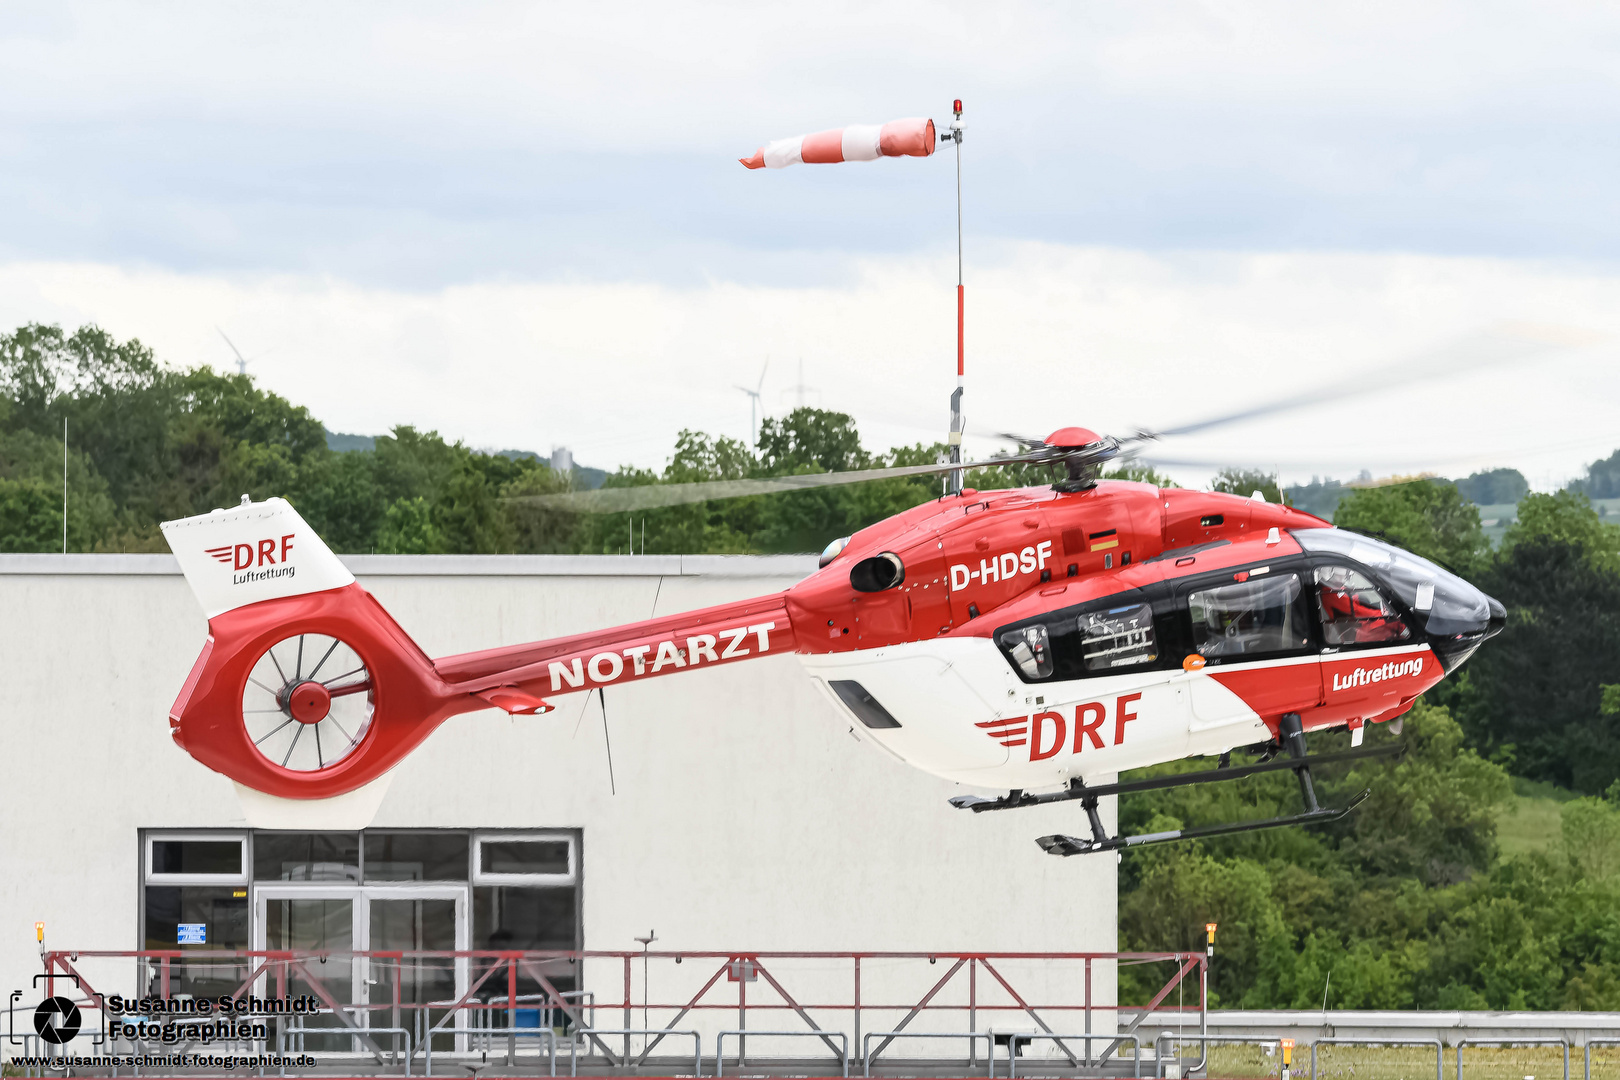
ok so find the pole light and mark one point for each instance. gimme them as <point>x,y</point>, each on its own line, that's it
<point>1209,947</point>
<point>1288,1056</point>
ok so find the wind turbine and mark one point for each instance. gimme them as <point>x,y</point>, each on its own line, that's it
<point>754,402</point>
<point>241,361</point>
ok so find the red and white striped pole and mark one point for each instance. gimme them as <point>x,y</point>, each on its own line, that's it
<point>955,136</point>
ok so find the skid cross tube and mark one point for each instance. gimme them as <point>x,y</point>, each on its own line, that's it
<point>1292,738</point>
<point>720,1043</point>
<point>1078,789</point>
<point>1058,844</point>
<point>1439,1050</point>
<point>1513,1041</point>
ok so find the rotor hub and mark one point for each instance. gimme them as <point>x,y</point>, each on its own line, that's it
<point>309,702</point>
<point>1072,437</point>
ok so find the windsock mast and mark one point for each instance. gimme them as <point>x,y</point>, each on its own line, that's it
<point>955,136</point>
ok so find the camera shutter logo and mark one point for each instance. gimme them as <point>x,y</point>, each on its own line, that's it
<point>57,1020</point>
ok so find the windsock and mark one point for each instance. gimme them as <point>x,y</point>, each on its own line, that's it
<point>858,142</point>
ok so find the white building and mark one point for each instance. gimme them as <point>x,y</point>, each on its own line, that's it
<point>741,814</point>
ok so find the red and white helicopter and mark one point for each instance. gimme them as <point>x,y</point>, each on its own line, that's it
<point>1025,640</point>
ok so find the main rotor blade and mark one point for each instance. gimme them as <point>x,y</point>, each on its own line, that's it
<point>1488,348</point>
<point>652,496</point>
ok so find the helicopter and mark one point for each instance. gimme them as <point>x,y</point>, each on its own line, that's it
<point>1029,640</point>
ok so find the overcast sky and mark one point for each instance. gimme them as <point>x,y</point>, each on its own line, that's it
<point>524,224</point>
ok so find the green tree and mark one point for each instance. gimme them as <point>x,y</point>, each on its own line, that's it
<point>1565,517</point>
<point>810,439</point>
<point>30,516</point>
<point>1591,829</point>
<point>408,528</point>
<point>1429,518</point>
<point>1246,482</point>
<point>1534,695</point>
<point>1602,479</point>
<point>1494,487</point>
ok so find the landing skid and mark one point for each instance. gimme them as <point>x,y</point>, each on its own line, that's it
<point>1292,739</point>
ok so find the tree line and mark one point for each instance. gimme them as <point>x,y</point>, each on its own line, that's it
<point>1409,902</point>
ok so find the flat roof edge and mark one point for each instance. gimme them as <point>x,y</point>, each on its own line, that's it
<point>796,566</point>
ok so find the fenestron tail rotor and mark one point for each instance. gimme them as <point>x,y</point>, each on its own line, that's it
<point>307,703</point>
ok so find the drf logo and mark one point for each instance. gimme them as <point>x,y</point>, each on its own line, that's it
<point>1003,567</point>
<point>1047,733</point>
<point>245,556</point>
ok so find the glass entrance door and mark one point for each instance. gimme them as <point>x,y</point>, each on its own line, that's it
<point>382,992</point>
<point>315,920</point>
<point>413,919</point>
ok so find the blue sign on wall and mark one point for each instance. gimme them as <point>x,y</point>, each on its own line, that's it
<point>192,933</point>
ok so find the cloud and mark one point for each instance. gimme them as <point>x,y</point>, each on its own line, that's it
<point>418,146</point>
<point>1056,335</point>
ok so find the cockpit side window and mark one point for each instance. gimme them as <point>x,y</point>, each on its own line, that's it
<point>1352,610</point>
<point>1030,650</point>
<point>1250,619</point>
<point>1117,638</point>
<point>1078,642</point>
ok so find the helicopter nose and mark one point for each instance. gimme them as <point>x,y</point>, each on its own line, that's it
<point>1467,623</point>
<point>1498,617</point>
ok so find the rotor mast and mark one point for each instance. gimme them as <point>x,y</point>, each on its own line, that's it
<point>955,136</point>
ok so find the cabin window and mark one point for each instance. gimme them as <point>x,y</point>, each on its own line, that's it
<point>1250,618</point>
<point>1031,649</point>
<point>1119,637</point>
<point>1352,610</point>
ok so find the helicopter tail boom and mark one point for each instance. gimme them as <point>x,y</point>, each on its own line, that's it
<point>307,688</point>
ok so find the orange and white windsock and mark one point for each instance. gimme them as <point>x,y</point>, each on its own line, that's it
<point>858,142</point>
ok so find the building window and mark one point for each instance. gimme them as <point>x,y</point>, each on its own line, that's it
<point>381,889</point>
<point>526,896</point>
<point>327,857</point>
<point>194,898</point>
<point>440,855</point>
<point>524,859</point>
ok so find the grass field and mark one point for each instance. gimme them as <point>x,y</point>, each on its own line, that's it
<point>1529,822</point>
<point>1414,1063</point>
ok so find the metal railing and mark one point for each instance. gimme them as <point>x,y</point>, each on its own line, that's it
<point>487,1035</point>
<point>697,1044</point>
<point>1512,1041</point>
<point>742,1034</point>
<point>1016,1037</point>
<point>1588,1052</point>
<point>1439,1050</point>
<point>972,1037</point>
<point>839,997</point>
<point>1203,1041</point>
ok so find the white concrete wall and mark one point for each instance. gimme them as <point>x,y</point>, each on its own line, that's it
<point>747,816</point>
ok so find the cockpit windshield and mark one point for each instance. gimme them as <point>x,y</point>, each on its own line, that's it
<point>1447,603</point>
